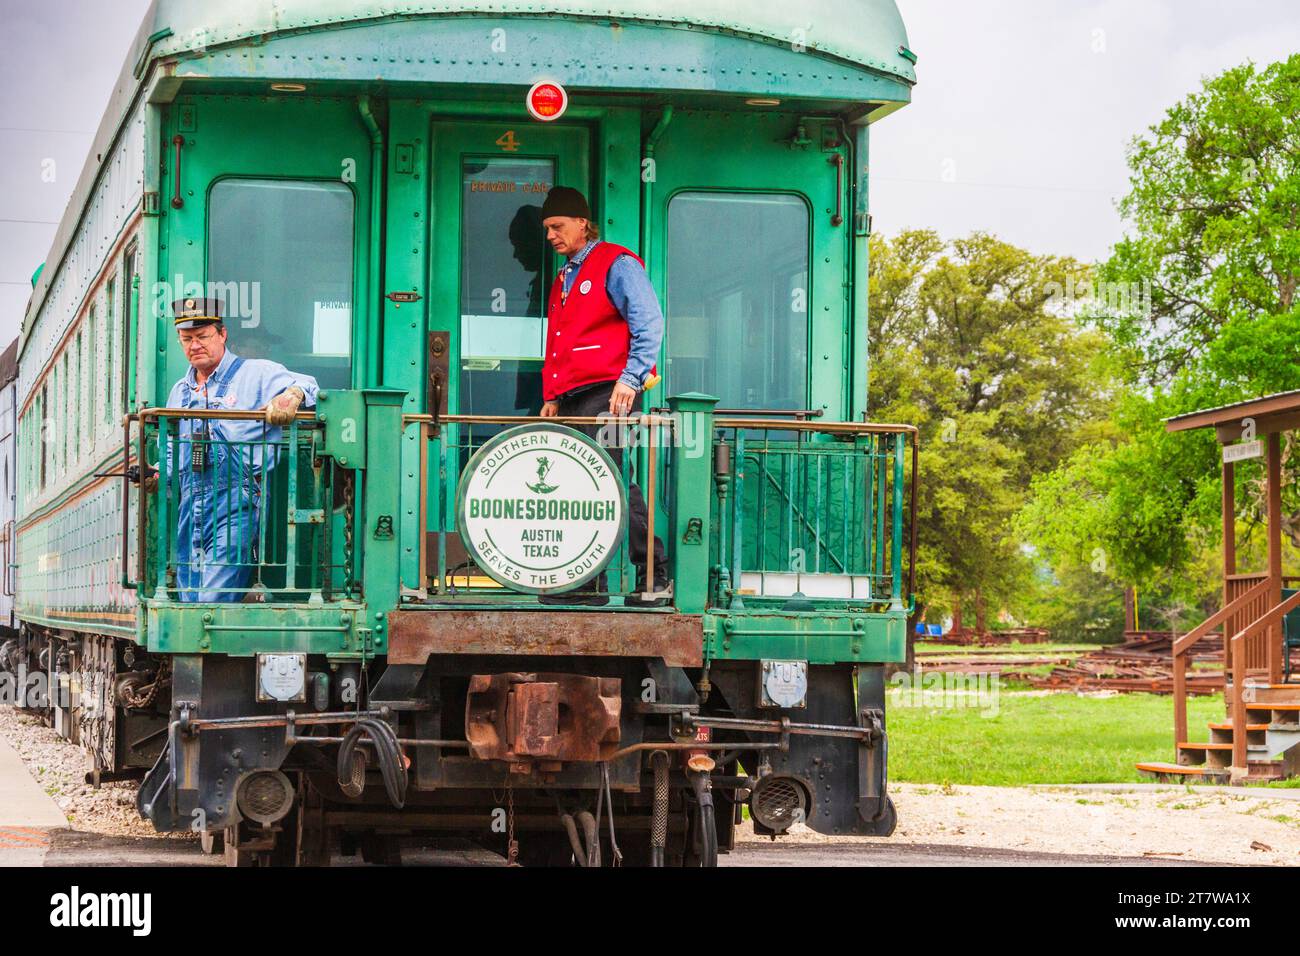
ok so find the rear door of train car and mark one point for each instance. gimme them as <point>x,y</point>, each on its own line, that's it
<point>490,273</point>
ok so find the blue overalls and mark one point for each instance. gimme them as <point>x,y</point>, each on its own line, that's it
<point>221,485</point>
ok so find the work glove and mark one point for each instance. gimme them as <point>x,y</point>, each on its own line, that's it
<point>281,409</point>
<point>150,477</point>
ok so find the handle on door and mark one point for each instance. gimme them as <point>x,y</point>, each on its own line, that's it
<point>439,358</point>
<point>838,162</point>
<point>177,141</point>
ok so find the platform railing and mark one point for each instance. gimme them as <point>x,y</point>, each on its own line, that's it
<point>263,517</point>
<point>448,442</point>
<point>815,509</point>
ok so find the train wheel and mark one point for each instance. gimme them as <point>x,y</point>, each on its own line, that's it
<point>890,820</point>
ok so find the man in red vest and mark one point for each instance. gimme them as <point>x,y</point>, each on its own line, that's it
<point>603,331</point>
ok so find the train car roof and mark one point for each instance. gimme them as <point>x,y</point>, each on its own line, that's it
<point>868,34</point>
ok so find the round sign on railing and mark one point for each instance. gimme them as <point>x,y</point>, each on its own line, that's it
<point>547,101</point>
<point>541,508</point>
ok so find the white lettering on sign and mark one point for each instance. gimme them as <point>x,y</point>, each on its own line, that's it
<point>1250,449</point>
<point>541,508</point>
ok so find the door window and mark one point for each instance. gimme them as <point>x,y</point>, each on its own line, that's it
<point>503,270</point>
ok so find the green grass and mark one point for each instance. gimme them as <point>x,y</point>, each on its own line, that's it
<point>1057,738</point>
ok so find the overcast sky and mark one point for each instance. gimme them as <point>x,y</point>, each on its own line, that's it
<point>1018,124</point>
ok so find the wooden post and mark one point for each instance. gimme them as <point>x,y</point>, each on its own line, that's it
<point>1240,759</point>
<point>1180,701</point>
<point>1229,564</point>
<point>1130,609</point>
<point>1274,634</point>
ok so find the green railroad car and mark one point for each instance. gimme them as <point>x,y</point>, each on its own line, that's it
<point>359,184</point>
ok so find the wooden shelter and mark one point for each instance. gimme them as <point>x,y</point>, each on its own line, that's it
<point>1255,604</point>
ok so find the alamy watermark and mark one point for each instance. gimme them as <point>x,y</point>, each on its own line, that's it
<point>947,690</point>
<point>1113,298</point>
<point>242,300</point>
<point>665,430</point>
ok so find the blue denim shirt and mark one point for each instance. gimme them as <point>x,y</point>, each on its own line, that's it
<point>628,287</point>
<point>252,387</point>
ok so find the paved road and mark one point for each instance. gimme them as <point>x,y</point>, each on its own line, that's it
<point>34,832</point>
<point>73,848</point>
<point>27,813</point>
<point>919,854</point>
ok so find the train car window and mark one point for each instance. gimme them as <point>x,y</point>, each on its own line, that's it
<point>74,396</point>
<point>502,279</point>
<point>123,331</point>
<point>280,258</point>
<point>66,407</point>
<point>106,335</point>
<point>90,354</point>
<point>737,298</point>
<point>45,433</point>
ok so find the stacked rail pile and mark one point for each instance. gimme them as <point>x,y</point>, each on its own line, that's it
<point>1018,635</point>
<point>1142,663</point>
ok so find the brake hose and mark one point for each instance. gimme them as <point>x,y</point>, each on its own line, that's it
<point>389,753</point>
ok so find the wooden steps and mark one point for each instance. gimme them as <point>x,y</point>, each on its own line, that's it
<point>1210,761</point>
<point>1276,716</point>
<point>1216,755</point>
<point>1256,734</point>
<point>1174,773</point>
<point>1284,694</point>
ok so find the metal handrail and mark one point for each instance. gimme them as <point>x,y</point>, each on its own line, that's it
<point>641,418</point>
<point>829,428</point>
<point>215,414</point>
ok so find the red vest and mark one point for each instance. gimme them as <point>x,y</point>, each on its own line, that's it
<point>586,337</point>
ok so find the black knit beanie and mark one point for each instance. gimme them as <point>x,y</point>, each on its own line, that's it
<point>566,201</point>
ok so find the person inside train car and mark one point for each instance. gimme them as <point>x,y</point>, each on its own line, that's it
<point>221,463</point>
<point>603,331</point>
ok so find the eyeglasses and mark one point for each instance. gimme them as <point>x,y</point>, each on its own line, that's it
<point>188,338</point>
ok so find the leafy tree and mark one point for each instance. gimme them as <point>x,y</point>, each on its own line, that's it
<point>1214,204</point>
<point>973,343</point>
<point>1214,211</point>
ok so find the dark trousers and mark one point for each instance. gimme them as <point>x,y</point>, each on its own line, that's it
<point>588,402</point>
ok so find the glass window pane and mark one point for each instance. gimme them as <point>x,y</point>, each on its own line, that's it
<point>280,259</point>
<point>92,362</point>
<point>737,311</point>
<point>503,272</point>
<point>105,346</point>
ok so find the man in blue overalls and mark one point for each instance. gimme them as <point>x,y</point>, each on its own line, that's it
<point>222,463</point>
